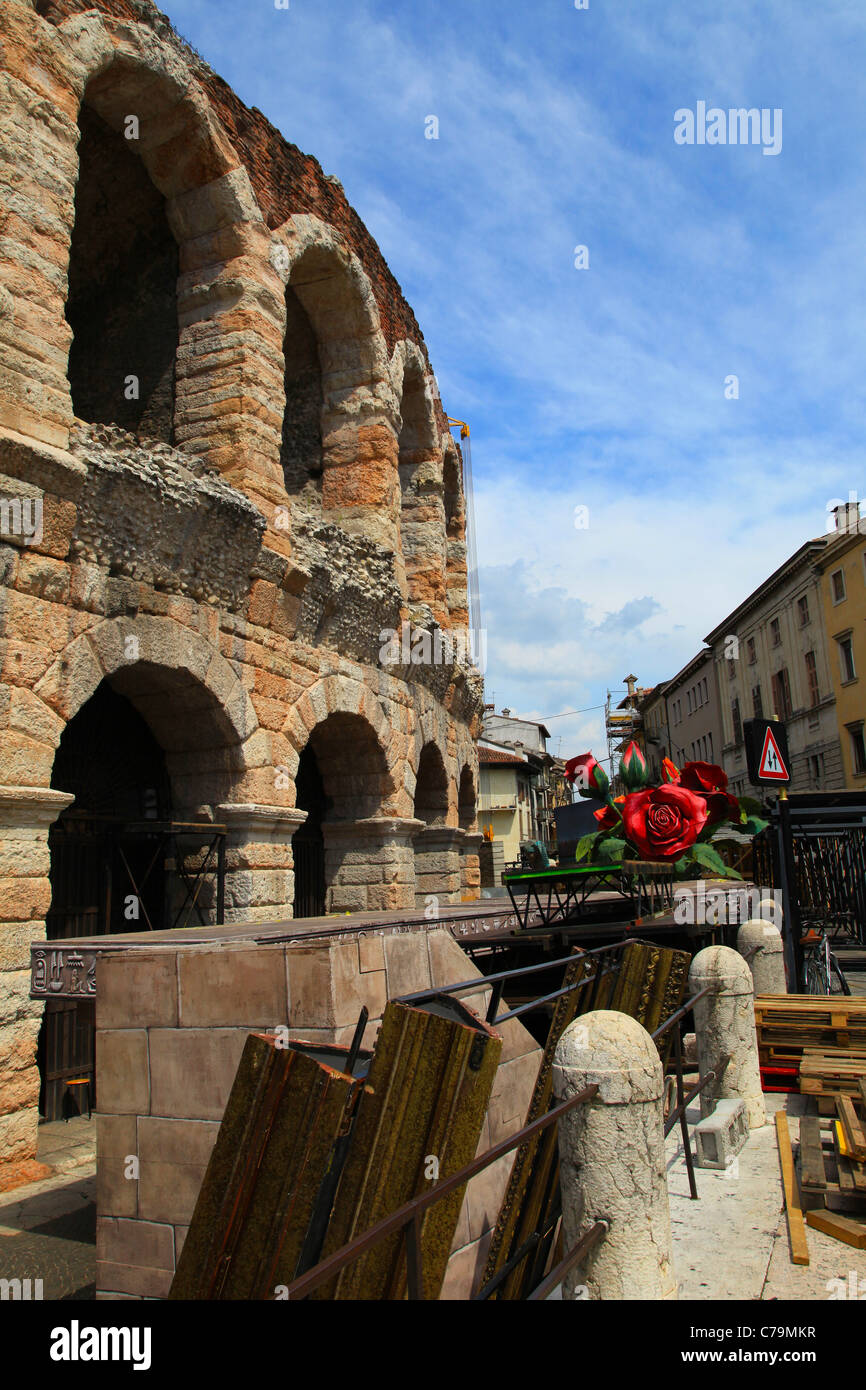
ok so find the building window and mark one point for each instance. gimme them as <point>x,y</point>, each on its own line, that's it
<point>858,749</point>
<point>782,694</point>
<point>846,658</point>
<point>775,633</point>
<point>750,650</point>
<point>738,723</point>
<point>710,741</point>
<point>689,698</point>
<point>732,669</point>
<point>803,610</point>
<point>816,767</point>
<point>837,586</point>
<point>812,677</point>
<point>757,702</point>
<point>706,693</point>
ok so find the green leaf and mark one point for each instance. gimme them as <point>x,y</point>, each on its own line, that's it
<point>753,825</point>
<point>584,845</point>
<point>710,858</point>
<point>610,851</point>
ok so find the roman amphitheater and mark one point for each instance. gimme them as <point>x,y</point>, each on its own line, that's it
<point>226,472</point>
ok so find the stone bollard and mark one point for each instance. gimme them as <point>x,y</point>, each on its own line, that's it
<point>612,1162</point>
<point>768,963</point>
<point>725,1027</point>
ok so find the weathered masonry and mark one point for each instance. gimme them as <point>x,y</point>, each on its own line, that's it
<point>225,473</point>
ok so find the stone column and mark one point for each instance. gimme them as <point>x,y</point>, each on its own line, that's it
<point>768,963</point>
<point>725,1027</point>
<point>370,864</point>
<point>260,879</point>
<point>612,1161</point>
<point>470,865</point>
<point>437,864</point>
<point>26,813</point>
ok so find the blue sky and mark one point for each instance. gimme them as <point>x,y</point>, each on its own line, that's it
<point>603,387</point>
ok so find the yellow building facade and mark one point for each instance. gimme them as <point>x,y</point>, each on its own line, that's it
<point>842,571</point>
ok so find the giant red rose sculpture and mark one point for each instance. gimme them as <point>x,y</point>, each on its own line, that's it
<point>663,822</point>
<point>672,823</point>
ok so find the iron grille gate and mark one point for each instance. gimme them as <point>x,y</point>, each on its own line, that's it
<point>308,852</point>
<point>97,863</point>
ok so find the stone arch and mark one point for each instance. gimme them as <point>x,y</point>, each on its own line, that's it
<point>181,142</point>
<point>226,282</point>
<point>328,295</point>
<point>422,516</point>
<point>467,798</point>
<point>337,694</point>
<point>455,535</point>
<point>452,488</point>
<point>163,668</point>
<point>332,287</point>
<point>352,765</point>
<point>431,787</point>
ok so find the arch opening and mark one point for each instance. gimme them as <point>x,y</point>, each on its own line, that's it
<point>308,842</point>
<point>421,517</point>
<point>352,766</point>
<point>122,298</point>
<point>453,495</point>
<point>301,446</point>
<point>342,778</point>
<point>431,787</point>
<point>149,752</point>
<point>466,799</point>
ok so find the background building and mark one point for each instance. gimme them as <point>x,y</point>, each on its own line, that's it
<point>692,706</point>
<point>842,574</point>
<point>527,786</point>
<point>770,657</point>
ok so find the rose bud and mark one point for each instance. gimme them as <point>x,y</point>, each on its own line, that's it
<point>662,822</point>
<point>591,779</point>
<point>633,767</point>
<point>670,770</point>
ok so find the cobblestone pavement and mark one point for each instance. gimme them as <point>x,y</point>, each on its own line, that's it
<point>48,1232</point>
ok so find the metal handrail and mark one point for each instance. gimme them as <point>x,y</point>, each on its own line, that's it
<point>408,1217</point>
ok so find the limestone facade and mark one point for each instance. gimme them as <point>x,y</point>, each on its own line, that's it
<point>225,473</point>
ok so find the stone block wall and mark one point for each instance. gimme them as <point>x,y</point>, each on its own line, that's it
<point>172,1022</point>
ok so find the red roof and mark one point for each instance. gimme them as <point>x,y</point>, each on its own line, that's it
<point>493,755</point>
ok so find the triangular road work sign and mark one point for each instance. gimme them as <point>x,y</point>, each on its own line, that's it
<point>772,763</point>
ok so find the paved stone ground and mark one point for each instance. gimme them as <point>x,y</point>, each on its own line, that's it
<point>730,1244</point>
<point>48,1228</point>
<point>48,1232</point>
<point>733,1242</point>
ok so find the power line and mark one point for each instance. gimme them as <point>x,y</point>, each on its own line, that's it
<point>589,708</point>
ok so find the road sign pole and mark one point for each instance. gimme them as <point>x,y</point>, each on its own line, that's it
<point>790,897</point>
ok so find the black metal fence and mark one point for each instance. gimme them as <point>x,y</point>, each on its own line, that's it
<point>829,843</point>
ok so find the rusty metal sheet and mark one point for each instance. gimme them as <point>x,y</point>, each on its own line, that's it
<point>645,981</point>
<point>285,1113</point>
<point>426,1097</point>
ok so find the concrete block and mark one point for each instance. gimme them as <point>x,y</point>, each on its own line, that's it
<point>225,987</point>
<point>719,1138</point>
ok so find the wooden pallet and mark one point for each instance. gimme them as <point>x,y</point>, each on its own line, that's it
<point>827,1075</point>
<point>789,1024</point>
<point>824,1171</point>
